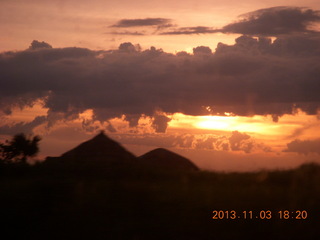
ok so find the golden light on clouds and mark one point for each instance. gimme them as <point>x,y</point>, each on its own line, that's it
<point>261,127</point>
<point>86,115</point>
<point>214,122</point>
<point>26,114</point>
<point>189,132</point>
<point>256,124</point>
<point>108,67</point>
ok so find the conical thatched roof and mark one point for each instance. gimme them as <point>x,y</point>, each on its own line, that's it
<point>102,151</point>
<point>98,149</point>
<point>165,159</point>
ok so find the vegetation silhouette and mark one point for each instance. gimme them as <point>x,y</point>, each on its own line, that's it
<point>19,148</point>
<point>71,197</point>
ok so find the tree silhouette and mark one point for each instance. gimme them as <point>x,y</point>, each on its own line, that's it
<point>19,148</point>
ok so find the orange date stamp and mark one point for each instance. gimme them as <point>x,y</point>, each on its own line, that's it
<point>262,214</point>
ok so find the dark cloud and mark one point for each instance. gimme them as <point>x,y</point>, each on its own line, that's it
<point>133,119</point>
<point>129,47</point>
<point>22,126</point>
<point>202,50</point>
<point>275,21</point>
<point>190,31</point>
<point>129,33</point>
<point>126,23</point>
<point>36,45</point>
<point>253,76</point>
<point>297,46</point>
<point>304,146</point>
<point>238,141</point>
<point>160,123</point>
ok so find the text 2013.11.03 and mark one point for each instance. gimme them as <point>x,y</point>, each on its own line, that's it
<point>262,214</point>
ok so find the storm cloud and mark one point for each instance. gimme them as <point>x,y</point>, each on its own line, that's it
<point>253,76</point>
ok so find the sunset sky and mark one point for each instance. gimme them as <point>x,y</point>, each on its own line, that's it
<point>232,85</point>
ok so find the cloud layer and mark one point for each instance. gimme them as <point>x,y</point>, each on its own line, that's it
<point>125,23</point>
<point>155,24</point>
<point>253,76</point>
<point>304,146</point>
<point>235,142</point>
<point>190,31</point>
<point>275,21</point>
<point>272,21</point>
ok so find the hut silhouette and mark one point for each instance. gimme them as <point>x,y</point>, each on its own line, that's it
<point>103,151</point>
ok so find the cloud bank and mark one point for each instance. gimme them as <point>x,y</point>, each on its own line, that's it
<point>275,21</point>
<point>253,76</point>
<point>236,142</point>
<point>304,146</point>
<point>272,21</point>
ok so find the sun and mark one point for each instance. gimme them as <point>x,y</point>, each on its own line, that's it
<point>214,122</point>
<point>262,125</point>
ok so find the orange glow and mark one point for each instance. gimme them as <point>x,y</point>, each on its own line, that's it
<point>28,113</point>
<point>256,124</point>
<point>86,114</point>
<point>214,122</point>
<point>262,129</point>
<point>259,125</point>
<point>262,126</point>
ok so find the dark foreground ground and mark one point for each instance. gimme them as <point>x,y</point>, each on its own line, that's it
<point>42,202</point>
